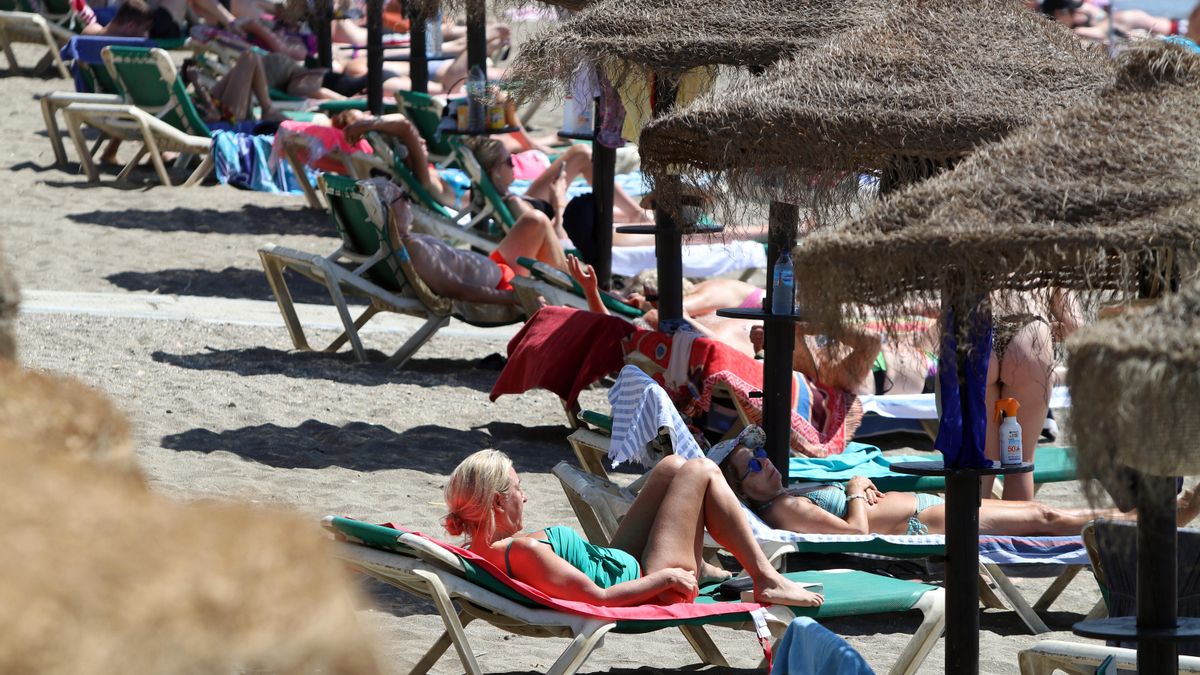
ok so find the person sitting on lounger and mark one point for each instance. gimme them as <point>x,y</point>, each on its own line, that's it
<point>655,553</point>
<point>858,507</point>
<point>466,275</point>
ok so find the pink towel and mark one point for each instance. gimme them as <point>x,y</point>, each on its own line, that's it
<point>322,140</point>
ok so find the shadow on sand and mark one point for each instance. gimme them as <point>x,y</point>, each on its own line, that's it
<point>251,219</point>
<point>341,367</point>
<point>231,282</point>
<point>373,447</point>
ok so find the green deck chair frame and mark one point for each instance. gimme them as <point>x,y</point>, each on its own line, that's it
<point>158,112</point>
<point>494,209</point>
<point>425,111</point>
<point>462,593</point>
<point>367,265</point>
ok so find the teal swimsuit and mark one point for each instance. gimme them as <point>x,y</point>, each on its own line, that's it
<point>832,499</point>
<point>605,566</point>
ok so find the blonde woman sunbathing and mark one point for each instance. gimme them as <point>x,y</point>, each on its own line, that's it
<point>858,507</point>
<point>655,553</point>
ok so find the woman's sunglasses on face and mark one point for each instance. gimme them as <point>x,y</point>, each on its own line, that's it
<point>757,463</point>
<point>508,161</point>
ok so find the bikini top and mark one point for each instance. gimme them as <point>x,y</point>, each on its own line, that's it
<point>830,497</point>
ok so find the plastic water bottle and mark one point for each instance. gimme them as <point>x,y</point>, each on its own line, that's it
<point>433,36</point>
<point>783,286</point>
<point>1010,431</point>
<point>568,124</point>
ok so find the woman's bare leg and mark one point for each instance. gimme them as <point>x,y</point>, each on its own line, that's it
<point>573,162</point>
<point>699,494</point>
<point>532,236</point>
<point>1026,374</point>
<point>246,78</point>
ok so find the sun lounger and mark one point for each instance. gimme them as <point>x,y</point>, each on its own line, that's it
<point>159,114</point>
<point>1078,658</point>
<point>30,28</point>
<point>325,148</point>
<point>546,285</point>
<point>425,111</point>
<point>366,265</point>
<point>446,575</point>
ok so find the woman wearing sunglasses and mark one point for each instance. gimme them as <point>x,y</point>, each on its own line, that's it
<point>858,507</point>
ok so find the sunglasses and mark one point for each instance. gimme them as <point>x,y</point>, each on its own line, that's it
<point>757,463</point>
<point>508,161</point>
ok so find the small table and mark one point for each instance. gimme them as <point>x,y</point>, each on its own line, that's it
<point>481,132</point>
<point>757,314</point>
<point>440,56</point>
<point>576,135</point>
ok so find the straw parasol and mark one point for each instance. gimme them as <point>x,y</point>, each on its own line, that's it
<point>931,79</point>
<point>1136,382</point>
<point>1081,200</point>
<point>671,37</point>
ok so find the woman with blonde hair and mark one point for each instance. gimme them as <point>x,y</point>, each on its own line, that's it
<point>656,552</point>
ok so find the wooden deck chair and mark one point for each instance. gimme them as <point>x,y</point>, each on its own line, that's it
<point>31,28</point>
<point>1078,658</point>
<point>425,111</point>
<point>464,590</point>
<point>298,146</point>
<point>158,113</point>
<point>440,220</point>
<point>99,86</point>
<point>367,265</point>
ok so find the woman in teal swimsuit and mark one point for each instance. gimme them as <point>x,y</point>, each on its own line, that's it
<point>655,554</point>
<point>859,507</point>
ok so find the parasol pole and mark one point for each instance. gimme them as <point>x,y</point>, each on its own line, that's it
<point>604,168</point>
<point>375,56</point>
<point>779,343</point>
<point>668,236</point>
<point>418,72</point>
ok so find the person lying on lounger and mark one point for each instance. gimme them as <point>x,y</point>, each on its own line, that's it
<point>858,507</point>
<point>655,553</point>
<point>466,275</point>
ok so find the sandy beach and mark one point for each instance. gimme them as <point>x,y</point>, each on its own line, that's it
<point>155,296</point>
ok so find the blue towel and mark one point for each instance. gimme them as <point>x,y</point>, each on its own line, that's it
<point>858,459</point>
<point>808,648</point>
<point>241,161</point>
<point>640,408</point>
<point>86,49</point>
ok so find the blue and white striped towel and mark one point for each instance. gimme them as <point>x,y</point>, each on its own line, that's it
<point>640,407</point>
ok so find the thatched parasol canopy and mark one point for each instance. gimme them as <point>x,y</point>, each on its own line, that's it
<point>931,79</point>
<point>1135,387</point>
<point>674,36</point>
<point>1080,200</point>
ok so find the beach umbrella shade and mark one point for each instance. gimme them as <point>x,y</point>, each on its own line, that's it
<point>928,81</point>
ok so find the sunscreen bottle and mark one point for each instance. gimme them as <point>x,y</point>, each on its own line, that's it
<point>1010,431</point>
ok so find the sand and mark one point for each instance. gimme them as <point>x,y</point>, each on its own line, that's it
<point>156,296</point>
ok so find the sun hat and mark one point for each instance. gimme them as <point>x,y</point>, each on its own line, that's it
<point>752,437</point>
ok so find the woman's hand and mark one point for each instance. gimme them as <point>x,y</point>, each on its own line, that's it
<point>861,485</point>
<point>583,273</point>
<point>558,189</point>
<point>676,585</point>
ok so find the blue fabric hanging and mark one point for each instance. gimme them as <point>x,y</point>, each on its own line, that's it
<point>962,428</point>
<point>241,161</point>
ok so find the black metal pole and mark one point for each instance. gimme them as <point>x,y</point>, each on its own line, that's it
<point>1157,573</point>
<point>324,28</point>
<point>962,573</point>
<point>668,236</point>
<point>477,58</point>
<point>418,62</point>
<point>375,56</point>
<point>779,342</point>
<point>604,169</point>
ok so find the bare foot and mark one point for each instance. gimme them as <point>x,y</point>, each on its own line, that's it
<point>108,160</point>
<point>779,590</point>
<point>710,572</point>
<point>1187,507</point>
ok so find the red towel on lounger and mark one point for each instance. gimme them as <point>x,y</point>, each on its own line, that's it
<point>677,611</point>
<point>713,366</point>
<point>563,350</point>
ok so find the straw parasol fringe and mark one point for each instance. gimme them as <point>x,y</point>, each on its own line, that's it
<point>632,38</point>
<point>928,81</point>
<point>1084,200</point>
<point>1135,389</point>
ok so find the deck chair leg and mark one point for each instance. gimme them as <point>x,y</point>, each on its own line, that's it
<point>8,52</point>
<point>351,328</point>
<point>1060,584</point>
<point>283,298</point>
<point>423,335</point>
<point>201,172</point>
<point>358,324</point>
<point>987,592</point>
<point>1098,611</point>
<point>708,650</point>
<point>438,648</point>
<point>572,410</point>
<point>454,627</point>
<point>75,129</point>
<point>1013,596</point>
<point>156,159</point>
<point>933,606</point>
<point>310,193</point>
<point>581,648</point>
<point>132,164</point>
<point>49,115</point>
